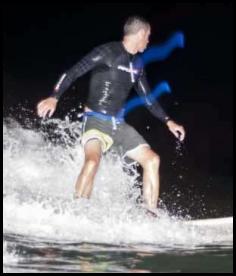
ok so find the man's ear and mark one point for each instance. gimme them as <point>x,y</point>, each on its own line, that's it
<point>141,33</point>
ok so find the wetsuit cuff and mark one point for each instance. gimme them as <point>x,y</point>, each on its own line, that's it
<point>167,119</point>
<point>53,95</point>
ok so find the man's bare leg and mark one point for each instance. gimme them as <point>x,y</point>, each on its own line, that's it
<point>150,163</point>
<point>84,184</point>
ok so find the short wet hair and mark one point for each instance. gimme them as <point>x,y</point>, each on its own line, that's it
<point>135,23</point>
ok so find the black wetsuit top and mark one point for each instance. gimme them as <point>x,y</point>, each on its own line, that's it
<point>114,73</point>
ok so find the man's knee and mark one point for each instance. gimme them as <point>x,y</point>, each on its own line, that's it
<point>152,160</point>
<point>92,163</point>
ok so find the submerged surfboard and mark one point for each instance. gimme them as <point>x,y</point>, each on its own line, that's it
<point>224,222</point>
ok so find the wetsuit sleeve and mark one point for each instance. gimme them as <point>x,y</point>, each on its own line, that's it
<point>88,62</point>
<point>143,89</point>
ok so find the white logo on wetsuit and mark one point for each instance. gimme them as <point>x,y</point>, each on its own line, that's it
<point>97,58</point>
<point>129,70</point>
<point>105,93</point>
<point>59,82</point>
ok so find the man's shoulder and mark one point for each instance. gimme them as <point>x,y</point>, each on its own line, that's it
<point>109,45</point>
<point>109,50</point>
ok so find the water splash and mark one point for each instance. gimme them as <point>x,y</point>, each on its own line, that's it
<point>39,172</point>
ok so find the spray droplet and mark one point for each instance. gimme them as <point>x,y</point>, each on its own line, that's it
<point>80,115</point>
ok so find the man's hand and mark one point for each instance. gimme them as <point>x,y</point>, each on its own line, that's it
<point>176,129</point>
<point>45,106</point>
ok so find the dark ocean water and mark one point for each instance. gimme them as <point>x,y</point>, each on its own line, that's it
<point>34,256</point>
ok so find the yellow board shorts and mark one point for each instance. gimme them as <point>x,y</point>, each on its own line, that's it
<point>120,137</point>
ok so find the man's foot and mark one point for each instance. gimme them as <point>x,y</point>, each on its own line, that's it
<point>75,196</point>
<point>151,213</point>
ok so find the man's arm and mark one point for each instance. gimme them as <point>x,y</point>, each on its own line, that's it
<point>143,89</point>
<point>155,108</point>
<point>94,58</point>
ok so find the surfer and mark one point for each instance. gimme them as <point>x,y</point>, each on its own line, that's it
<point>116,69</point>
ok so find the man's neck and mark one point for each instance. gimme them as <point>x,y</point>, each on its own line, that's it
<point>130,46</point>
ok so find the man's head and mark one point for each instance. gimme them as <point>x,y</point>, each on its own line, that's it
<point>138,29</point>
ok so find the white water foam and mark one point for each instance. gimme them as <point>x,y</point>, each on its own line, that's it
<point>38,188</point>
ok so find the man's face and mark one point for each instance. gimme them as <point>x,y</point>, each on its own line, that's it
<point>143,39</point>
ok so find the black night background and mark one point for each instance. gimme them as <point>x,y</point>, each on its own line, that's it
<point>41,41</point>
